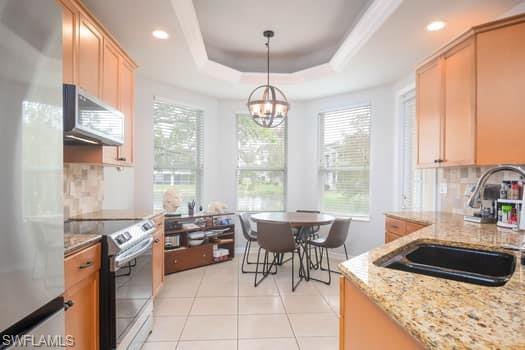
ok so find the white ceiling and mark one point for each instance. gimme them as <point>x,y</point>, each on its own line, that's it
<point>389,54</point>
<point>307,32</point>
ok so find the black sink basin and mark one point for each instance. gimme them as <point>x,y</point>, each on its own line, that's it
<point>455,263</point>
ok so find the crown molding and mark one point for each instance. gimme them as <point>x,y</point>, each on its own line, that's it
<point>372,19</point>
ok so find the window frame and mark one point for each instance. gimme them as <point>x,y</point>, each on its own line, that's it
<point>321,170</point>
<point>238,168</point>
<point>200,137</point>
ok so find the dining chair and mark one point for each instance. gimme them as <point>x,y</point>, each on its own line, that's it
<point>251,236</point>
<point>276,239</point>
<point>311,233</point>
<point>336,238</point>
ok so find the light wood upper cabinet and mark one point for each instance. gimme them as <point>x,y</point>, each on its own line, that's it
<point>470,98</point>
<point>70,16</point>
<point>94,61</point>
<point>89,56</point>
<point>459,119</point>
<point>126,106</point>
<point>501,95</point>
<point>429,113</point>
<point>110,78</point>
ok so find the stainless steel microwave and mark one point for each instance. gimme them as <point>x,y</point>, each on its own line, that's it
<point>87,120</point>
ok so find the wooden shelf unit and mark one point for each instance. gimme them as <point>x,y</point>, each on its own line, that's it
<point>188,257</point>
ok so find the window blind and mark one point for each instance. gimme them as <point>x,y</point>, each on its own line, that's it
<point>178,151</point>
<point>261,166</point>
<point>344,157</point>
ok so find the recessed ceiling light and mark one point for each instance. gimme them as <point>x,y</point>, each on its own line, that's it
<point>435,26</point>
<point>160,34</point>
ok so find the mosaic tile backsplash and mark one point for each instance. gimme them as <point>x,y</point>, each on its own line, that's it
<point>83,189</point>
<point>459,182</point>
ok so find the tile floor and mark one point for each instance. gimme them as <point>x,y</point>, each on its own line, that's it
<point>217,307</point>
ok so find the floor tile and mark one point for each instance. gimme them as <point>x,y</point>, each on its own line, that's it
<point>218,288</point>
<point>208,345</point>
<point>333,301</point>
<point>295,304</point>
<point>180,289</point>
<point>314,325</point>
<point>172,306</point>
<point>214,306</point>
<point>318,343</point>
<point>210,327</point>
<point>264,326</point>
<point>266,288</point>
<point>160,346</point>
<point>260,305</point>
<point>166,329</point>
<point>268,344</point>
<point>305,288</point>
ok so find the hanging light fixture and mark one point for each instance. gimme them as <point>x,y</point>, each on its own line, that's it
<point>267,104</point>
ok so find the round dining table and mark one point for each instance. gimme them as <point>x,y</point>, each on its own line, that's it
<point>295,219</point>
<point>299,220</point>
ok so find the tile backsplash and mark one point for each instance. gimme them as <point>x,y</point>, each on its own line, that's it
<point>83,189</point>
<point>459,181</point>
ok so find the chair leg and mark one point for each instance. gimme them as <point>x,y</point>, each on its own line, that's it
<point>323,269</point>
<point>245,258</point>
<point>266,268</point>
<point>346,252</point>
<point>294,286</point>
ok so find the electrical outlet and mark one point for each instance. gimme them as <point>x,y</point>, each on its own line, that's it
<point>443,188</point>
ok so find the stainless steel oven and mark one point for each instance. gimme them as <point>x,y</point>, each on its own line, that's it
<point>126,287</point>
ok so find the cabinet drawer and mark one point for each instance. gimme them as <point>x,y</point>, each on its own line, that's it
<point>80,265</point>
<point>390,236</point>
<point>395,226</point>
<point>189,258</point>
<point>413,227</point>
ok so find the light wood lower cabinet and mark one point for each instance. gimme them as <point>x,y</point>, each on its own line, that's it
<point>363,325</point>
<point>396,228</point>
<point>82,280</point>
<point>158,255</point>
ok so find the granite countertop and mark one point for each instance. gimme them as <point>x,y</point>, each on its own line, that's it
<point>75,242</point>
<point>440,313</point>
<point>117,214</point>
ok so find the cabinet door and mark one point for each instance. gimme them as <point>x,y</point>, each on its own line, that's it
<point>82,318</point>
<point>429,112</point>
<point>459,118</point>
<point>89,56</point>
<point>69,34</point>
<point>110,67</point>
<point>501,94</point>
<point>158,261</point>
<point>126,106</point>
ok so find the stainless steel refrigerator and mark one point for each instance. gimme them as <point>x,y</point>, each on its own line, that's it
<point>31,185</point>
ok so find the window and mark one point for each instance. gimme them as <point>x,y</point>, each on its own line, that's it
<point>178,149</point>
<point>418,186</point>
<point>261,166</point>
<point>344,161</point>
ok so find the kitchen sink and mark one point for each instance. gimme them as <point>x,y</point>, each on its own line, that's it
<point>487,268</point>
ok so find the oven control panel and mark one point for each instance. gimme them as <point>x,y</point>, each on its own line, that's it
<point>128,237</point>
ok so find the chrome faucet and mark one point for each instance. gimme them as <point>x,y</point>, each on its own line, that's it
<point>476,198</point>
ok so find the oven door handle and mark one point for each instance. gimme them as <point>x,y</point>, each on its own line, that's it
<point>120,260</point>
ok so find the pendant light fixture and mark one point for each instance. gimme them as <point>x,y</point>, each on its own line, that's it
<point>267,104</point>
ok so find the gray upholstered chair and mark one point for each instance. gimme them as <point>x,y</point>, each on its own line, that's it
<point>336,238</point>
<point>250,236</point>
<point>276,239</point>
